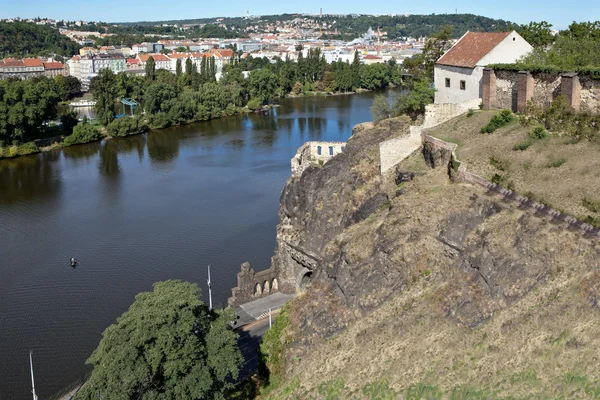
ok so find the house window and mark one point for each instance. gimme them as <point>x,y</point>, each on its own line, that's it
<point>463,85</point>
<point>447,82</point>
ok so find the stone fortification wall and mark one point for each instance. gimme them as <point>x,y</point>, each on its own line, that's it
<point>253,285</point>
<point>393,151</point>
<point>314,153</point>
<point>439,153</point>
<point>436,114</point>
<point>513,90</point>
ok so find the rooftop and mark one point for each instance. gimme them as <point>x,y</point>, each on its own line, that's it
<point>471,48</point>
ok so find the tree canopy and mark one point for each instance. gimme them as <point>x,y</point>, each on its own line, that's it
<point>25,39</point>
<point>168,345</point>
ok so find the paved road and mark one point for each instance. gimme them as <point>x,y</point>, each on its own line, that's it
<point>250,337</point>
<point>259,308</point>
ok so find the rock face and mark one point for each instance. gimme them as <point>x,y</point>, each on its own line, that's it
<point>365,237</point>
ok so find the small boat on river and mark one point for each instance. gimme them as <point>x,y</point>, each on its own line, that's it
<point>83,103</point>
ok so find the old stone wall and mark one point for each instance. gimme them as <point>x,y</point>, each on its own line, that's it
<point>436,114</point>
<point>253,285</point>
<point>582,92</point>
<point>314,153</point>
<point>458,172</point>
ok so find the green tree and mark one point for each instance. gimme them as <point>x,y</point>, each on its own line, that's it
<point>178,67</point>
<point>105,90</point>
<point>380,109</point>
<point>262,85</point>
<point>150,68</point>
<point>168,345</point>
<point>538,34</point>
<point>414,101</point>
<point>422,65</point>
<point>83,133</point>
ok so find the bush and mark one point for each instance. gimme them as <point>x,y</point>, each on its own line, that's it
<point>498,164</point>
<point>470,113</point>
<point>160,120</point>
<point>254,104</point>
<point>499,120</point>
<point>126,126</point>
<point>380,109</point>
<point>522,146</point>
<point>27,148</point>
<point>538,133</point>
<point>83,133</point>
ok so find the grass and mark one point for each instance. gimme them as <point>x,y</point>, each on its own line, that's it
<point>499,164</point>
<point>591,205</point>
<point>556,163</point>
<point>523,145</point>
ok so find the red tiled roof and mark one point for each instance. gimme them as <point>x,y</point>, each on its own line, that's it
<point>471,48</point>
<point>53,65</point>
<point>33,62</point>
<point>133,61</point>
<point>13,63</point>
<point>156,57</point>
<point>371,57</point>
<point>226,52</point>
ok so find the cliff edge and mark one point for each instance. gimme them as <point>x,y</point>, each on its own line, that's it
<point>414,285</point>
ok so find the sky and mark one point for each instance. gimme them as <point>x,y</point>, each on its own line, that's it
<point>558,13</point>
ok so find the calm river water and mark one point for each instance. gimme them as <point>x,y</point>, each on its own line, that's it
<point>135,211</point>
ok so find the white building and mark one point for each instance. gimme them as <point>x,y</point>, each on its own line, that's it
<point>458,73</point>
<point>336,55</point>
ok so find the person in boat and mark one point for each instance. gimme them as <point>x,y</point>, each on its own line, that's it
<point>73,262</point>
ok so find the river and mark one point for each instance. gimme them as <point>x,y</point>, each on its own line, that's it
<point>138,210</point>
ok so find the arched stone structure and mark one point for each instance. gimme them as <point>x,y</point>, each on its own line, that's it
<point>252,285</point>
<point>257,290</point>
<point>274,285</point>
<point>266,287</point>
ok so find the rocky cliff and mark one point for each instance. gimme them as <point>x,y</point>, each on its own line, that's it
<point>411,283</point>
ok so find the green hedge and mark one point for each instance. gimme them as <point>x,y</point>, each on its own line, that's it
<point>83,133</point>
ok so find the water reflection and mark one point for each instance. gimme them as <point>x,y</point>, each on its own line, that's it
<point>35,177</point>
<point>80,152</point>
<point>163,145</point>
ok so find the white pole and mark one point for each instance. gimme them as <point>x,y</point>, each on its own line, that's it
<point>209,290</point>
<point>270,319</point>
<point>32,380</point>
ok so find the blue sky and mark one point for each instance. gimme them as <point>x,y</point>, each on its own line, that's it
<point>559,13</point>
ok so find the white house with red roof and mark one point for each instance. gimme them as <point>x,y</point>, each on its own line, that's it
<point>459,72</point>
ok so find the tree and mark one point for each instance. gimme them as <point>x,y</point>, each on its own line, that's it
<point>83,133</point>
<point>178,67</point>
<point>414,101</point>
<point>105,90</point>
<point>262,85</point>
<point>380,109</point>
<point>538,34</point>
<point>422,65</point>
<point>168,345</point>
<point>150,68</point>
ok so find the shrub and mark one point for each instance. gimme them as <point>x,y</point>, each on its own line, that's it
<point>470,113</point>
<point>380,109</point>
<point>126,126</point>
<point>522,146</point>
<point>538,133</point>
<point>498,179</point>
<point>498,164</point>
<point>160,120</point>
<point>83,133</point>
<point>499,120</point>
<point>254,104</point>
<point>27,148</point>
<point>556,163</point>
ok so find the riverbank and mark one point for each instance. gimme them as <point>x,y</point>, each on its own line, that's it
<point>57,142</point>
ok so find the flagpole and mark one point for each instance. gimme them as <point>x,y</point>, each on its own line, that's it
<point>32,380</point>
<point>209,290</point>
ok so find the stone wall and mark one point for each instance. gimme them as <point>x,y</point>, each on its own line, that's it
<point>314,153</point>
<point>512,90</point>
<point>440,151</point>
<point>393,151</point>
<point>253,285</point>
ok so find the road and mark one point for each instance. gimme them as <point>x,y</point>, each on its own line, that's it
<point>250,337</point>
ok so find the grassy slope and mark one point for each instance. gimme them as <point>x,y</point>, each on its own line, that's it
<point>544,342</point>
<point>555,170</point>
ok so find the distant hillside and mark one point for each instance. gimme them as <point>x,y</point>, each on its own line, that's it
<point>354,25</point>
<point>21,39</point>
